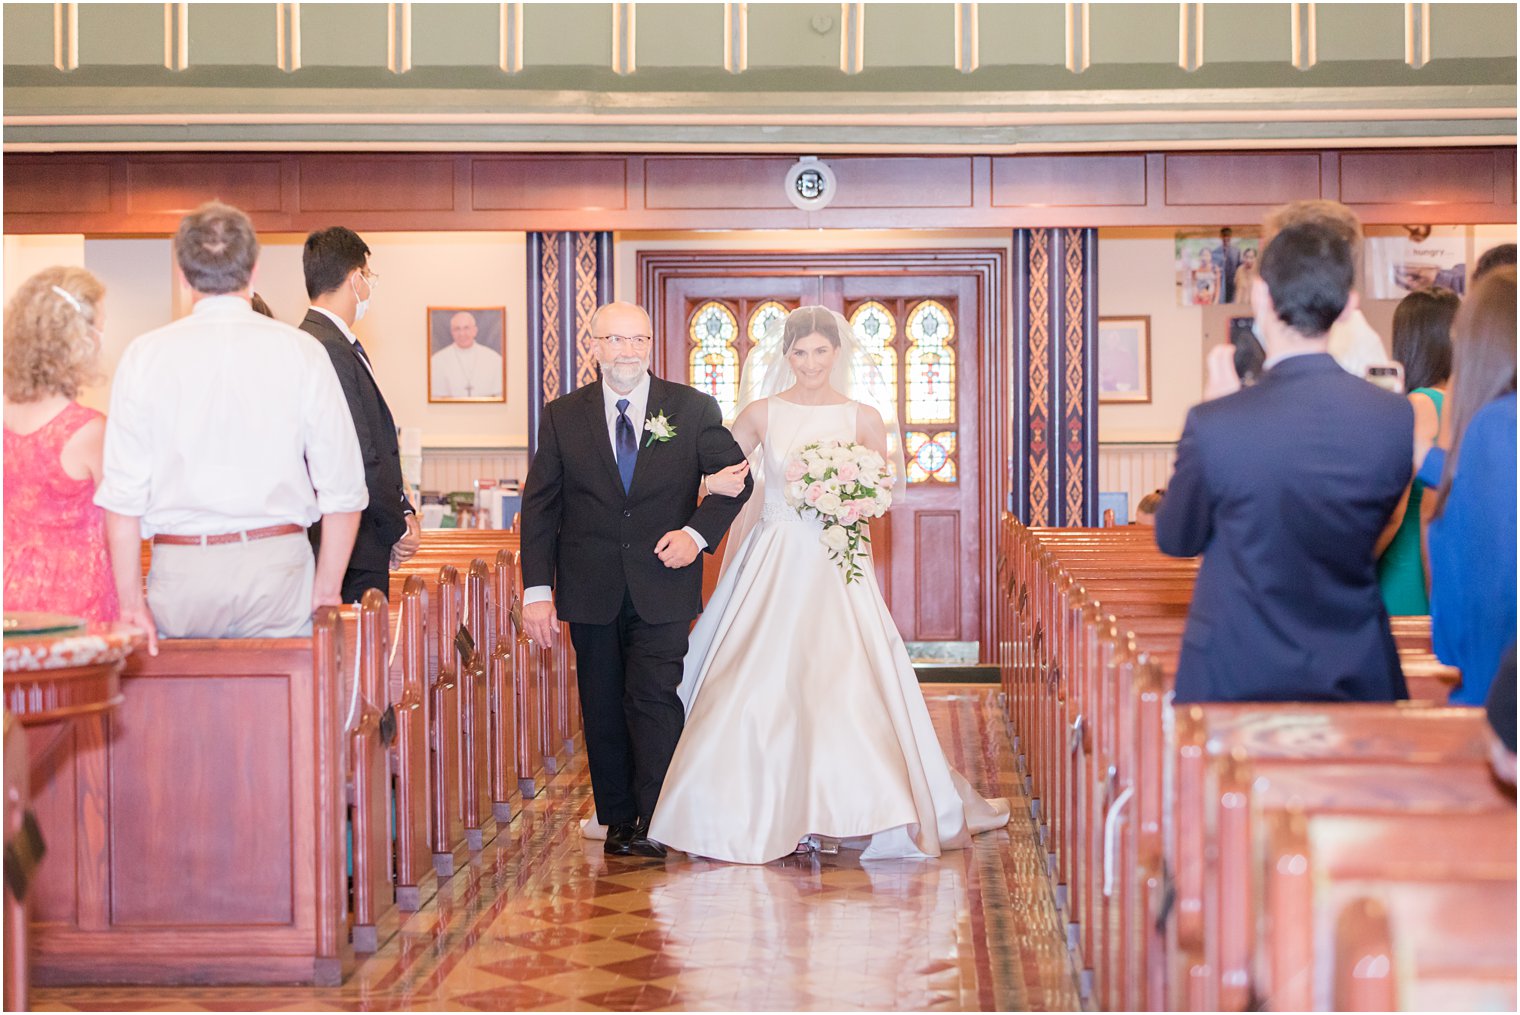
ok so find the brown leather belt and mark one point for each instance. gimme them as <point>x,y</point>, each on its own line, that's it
<point>228,537</point>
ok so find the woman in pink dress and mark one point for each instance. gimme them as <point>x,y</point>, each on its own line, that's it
<point>55,540</point>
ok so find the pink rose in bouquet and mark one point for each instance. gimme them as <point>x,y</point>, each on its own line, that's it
<point>844,484</point>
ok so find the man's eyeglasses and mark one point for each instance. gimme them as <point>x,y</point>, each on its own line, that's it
<point>631,341</point>
<point>371,277</point>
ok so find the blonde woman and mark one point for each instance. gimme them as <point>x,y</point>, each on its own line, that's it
<point>55,545</point>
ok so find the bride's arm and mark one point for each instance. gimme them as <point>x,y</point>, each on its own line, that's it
<point>749,428</point>
<point>748,431</point>
<point>871,431</point>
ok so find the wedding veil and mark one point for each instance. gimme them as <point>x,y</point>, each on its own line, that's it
<point>857,375</point>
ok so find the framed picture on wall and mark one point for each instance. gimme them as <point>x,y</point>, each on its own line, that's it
<point>1124,359</point>
<point>466,361</point>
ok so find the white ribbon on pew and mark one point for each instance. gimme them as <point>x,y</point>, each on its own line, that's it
<point>353,699</point>
<point>390,663</point>
<point>1110,827</point>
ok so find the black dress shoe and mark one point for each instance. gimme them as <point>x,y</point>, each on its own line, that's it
<point>642,844</point>
<point>620,838</point>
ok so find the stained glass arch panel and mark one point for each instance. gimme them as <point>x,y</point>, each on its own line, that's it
<point>713,364</point>
<point>877,329</point>
<point>931,364</point>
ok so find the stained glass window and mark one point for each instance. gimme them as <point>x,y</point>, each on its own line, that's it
<point>761,317</point>
<point>931,364</point>
<point>931,457</point>
<point>714,364</point>
<point>876,328</point>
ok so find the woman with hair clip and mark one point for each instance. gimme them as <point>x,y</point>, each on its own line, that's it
<point>1422,343</point>
<point>55,538</point>
<point>1472,528</point>
<point>805,721</point>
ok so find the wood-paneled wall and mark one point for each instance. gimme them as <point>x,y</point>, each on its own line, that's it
<point>107,194</point>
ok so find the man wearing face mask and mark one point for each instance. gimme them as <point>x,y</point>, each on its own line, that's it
<point>341,288</point>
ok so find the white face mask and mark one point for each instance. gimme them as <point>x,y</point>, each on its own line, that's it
<point>361,307</point>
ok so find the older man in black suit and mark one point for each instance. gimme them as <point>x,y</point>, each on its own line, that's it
<point>341,286</point>
<point>611,536</point>
<point>1284,488</point>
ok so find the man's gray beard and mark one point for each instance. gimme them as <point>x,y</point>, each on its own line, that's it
<point>626,378</point>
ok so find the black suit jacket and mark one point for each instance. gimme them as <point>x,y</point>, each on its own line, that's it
<point>384,520</point>
<point>582,535</point>
<point>1284,488</point>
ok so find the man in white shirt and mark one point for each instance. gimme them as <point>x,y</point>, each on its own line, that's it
<point>465,369</point>
<point>1352,342</point>
<point>228,436</point>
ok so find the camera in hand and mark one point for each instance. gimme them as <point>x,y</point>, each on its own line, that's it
<point>1249,355</point>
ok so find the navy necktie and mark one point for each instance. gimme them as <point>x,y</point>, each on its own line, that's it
<point>627,447</point>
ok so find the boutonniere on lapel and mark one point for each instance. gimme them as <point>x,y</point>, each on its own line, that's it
<point>659,429</point>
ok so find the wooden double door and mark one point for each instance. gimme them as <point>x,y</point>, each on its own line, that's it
<point>923,325</point>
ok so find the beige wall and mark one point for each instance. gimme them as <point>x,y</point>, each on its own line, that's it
<point>1136,277</point>
<point>417,269</point>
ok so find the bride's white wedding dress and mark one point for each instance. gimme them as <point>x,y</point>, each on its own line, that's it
<point>804,716</point>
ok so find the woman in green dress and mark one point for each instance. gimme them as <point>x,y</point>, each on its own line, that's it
<point>1422,342</point>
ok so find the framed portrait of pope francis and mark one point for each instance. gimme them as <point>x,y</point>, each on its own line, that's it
<point>466,361</point>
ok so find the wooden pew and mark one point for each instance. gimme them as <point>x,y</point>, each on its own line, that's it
<point>446,827</point>
<point>1445,884</point>
<point>474,676</point>
<point>203,872</point>
<point>416,880</point>
<point>369,781</point>
<point>505,733</point>
<point>1093,715</point>
<point>18,799</point>
<point>1252,794</point>
<point>550,668</point>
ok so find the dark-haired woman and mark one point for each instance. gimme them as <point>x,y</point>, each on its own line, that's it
<point>1422,342</point>
<point>1472,531</point>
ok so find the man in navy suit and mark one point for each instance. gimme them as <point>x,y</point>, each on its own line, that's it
<point>1284,488</point>
<point>341,286</point>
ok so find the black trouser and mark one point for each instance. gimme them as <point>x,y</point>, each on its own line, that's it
<point>356,581</point>
<point>628,672</point>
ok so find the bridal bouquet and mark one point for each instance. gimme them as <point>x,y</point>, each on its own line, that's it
<point>845,485</point>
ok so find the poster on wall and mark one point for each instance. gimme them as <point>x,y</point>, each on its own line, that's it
<point>1124,359</point>
<point>465,361</point>
<point>1421,257</point>
<point>1216,266</point>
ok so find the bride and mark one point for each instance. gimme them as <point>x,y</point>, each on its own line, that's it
<point>804,718</point>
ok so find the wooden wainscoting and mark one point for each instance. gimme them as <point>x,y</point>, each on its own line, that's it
<point>1135,469</point>
<point>445,470</point>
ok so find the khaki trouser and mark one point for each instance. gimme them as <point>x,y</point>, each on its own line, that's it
<point>260,589</point>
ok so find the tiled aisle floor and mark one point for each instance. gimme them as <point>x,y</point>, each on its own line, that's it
<point>542,920</point>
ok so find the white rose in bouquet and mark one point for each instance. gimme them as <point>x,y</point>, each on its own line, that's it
<point>844,485</point>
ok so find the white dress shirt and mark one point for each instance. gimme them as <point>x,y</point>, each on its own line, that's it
<point>227,420</point>
<point>348,334</point>
<point>638,404</point>
<point>1356,345</point>
<point>475,372</point>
